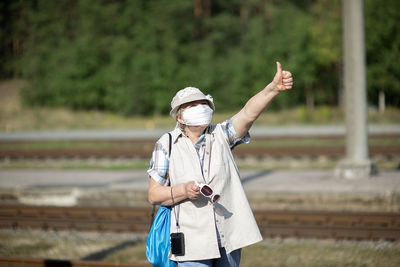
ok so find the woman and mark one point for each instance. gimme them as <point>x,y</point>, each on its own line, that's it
<point>199,178</point>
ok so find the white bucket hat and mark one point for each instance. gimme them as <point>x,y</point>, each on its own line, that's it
<point>186,95</point>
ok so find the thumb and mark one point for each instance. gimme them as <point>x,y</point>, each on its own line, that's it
<point>278,75</point>
<point>279,68</point>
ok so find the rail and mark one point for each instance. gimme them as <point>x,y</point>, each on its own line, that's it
<point>272,223</point>
<point>142,148</point>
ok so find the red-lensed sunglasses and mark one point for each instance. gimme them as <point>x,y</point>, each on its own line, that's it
<point>207,191</point>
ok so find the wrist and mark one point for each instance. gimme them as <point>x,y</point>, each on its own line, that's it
<point>271,89</point>
<point>180,191</point>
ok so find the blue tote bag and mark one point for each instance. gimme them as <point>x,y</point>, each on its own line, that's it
<point>158,241</point>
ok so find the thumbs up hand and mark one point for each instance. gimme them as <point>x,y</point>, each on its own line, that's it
<point>283,80</point>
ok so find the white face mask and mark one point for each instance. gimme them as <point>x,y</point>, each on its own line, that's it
<point>198,115</point>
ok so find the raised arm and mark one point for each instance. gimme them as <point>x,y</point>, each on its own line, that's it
<point>244,119</point>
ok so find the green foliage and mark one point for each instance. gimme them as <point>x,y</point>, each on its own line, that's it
<point>130,57</point>
<point>383,50</point>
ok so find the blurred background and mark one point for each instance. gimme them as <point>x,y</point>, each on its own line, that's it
<point>130,57</point>
<point>85,90</point>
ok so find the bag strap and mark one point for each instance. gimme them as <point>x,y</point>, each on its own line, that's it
<point>170,144</point>
<point>169,154</point>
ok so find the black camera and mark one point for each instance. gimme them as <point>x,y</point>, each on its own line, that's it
<point>178,244</point>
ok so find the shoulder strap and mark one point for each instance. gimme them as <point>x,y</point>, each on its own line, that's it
<point>173,206</point>
<point>169,154</point>
<point>170,144</point>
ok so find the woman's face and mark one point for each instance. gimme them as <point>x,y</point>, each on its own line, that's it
<point>190,105</point>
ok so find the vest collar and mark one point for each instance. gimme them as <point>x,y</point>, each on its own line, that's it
<point>177,132</point>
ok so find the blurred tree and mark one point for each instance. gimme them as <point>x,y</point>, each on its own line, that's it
<point>383,50</point>
<point>12,37</point>
<point>130,57</point>
<point>326,49</point>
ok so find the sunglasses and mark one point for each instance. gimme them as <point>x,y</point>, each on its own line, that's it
<point>207,191</point>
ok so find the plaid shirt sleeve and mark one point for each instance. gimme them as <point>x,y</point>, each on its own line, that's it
<point>159,163</point>
<point>230,134</point>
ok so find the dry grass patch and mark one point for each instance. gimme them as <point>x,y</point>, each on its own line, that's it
<point>128,248</point>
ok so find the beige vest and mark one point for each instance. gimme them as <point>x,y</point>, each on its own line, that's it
<point>198,219</point>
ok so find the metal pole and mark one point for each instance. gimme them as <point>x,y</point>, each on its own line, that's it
<point>357,163</point>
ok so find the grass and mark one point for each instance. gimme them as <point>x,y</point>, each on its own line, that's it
<point>16,117</point>
<point>126,248</point>
<point>303,252</point>
<point>60,245</point>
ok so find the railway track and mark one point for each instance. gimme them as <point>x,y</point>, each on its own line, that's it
<point>332,146</point>
<point>272,223</point>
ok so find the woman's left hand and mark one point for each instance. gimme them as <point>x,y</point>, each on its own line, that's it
<point>283,80</point>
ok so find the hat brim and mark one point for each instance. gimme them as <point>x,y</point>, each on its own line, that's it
<point>188,99</point>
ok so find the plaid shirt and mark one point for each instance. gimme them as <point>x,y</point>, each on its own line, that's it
<point>159,162</point>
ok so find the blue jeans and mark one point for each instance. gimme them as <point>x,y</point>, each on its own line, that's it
<point>227,260</point>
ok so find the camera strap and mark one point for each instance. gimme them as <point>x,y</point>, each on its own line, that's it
<point>176,216</point>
